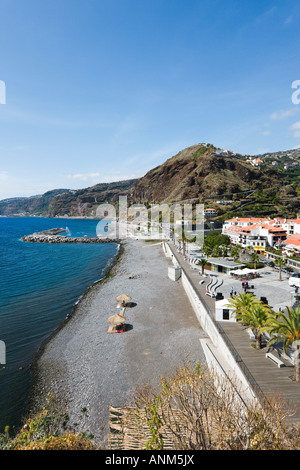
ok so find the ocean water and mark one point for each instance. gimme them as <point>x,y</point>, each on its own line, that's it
<point>39,285</point>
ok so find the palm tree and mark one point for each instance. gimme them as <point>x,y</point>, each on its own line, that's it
<point>224,250</point>
<point>242,301</point>
<point>280,262</point>
<point>287,328</point>
<point>202,262</point>
<point>181,236</point>
<point>235,251</point>
<point>255,259</point>
<point>216,251</point>
<point>255,317</point>
<point>207,250</point>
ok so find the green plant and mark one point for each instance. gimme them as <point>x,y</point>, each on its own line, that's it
<point>255,317</point>
<point>200,410</point>
<point>287,328</point>
<point>202,262</point>
<point>213,241</point>
<point>155,424</point>
<point>48,430</point>
<point>255,259</point>
<point>235,251</point>
<point>241,302</point>
<point>280,262</point>
<point>255,265</point>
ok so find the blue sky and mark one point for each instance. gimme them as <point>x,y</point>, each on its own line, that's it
<point>103,90</point>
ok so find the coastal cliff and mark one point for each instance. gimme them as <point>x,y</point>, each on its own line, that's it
<point>67,202</point>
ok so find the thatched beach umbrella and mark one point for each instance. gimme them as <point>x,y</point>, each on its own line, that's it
<point>116,319</point>
<point>123,298</point>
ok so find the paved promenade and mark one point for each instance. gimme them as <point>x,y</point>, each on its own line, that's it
<point>268,379</point>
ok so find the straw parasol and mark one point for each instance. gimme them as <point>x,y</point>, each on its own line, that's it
<point>116,319</point>
<point>123,298</point>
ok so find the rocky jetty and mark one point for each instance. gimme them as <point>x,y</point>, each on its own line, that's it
<point>53,236</point>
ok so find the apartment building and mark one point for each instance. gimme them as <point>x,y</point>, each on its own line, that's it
<point>260,233</point>
<point>292,244</point>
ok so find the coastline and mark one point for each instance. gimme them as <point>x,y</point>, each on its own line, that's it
<point>112,264</point>
<point>83,367</point>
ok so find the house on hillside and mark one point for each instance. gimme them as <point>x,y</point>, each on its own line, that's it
<point>210,212</point>
<point>256,161</point>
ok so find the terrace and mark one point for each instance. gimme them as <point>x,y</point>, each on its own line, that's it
<point>263,375</point>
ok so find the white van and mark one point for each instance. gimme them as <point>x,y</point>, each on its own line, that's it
<point>294,281</point>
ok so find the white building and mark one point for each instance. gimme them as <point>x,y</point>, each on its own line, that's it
<point>210,212</point>
<point>223,311</point>
<point>292,245</point>
<point>251,230</point>
<point>291,226</point>
<point>259,236</point>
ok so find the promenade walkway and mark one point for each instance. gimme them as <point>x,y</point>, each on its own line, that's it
<point>263,374</point>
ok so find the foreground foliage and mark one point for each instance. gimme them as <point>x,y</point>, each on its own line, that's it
<point>200,411</point>
<point>287,328</point>
<point>47,431</point>
<point>281,327</point>
<point>192,410</point>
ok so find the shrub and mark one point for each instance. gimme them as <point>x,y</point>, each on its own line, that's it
<point>259,265</point>
<point>46,431</point>
<point>197,410</point>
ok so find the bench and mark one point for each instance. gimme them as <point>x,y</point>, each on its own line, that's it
<point>251,334</point>
<point>275,359</point>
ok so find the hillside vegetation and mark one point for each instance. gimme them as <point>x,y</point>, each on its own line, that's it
<point>199,172</point>
<point>67,202</point>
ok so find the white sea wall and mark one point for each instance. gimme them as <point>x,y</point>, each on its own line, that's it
<point>218,342</point>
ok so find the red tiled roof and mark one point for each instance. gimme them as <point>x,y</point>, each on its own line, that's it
<point>292,241</point>
<point>277,229</point>
<point>263,220</point>
<point>295,236</point>
<point>249,228</point>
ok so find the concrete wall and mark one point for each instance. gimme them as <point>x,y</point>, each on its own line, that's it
<point>234,372</point>
<point>222,370</point>
<point>168,252</point>
<point>218,355</point>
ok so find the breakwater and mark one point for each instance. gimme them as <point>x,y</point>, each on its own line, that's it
<point>54,236</point>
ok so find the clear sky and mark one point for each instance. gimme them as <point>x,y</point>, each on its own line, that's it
<point>104,90</point>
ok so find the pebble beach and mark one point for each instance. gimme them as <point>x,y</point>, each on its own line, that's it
<point>84,367</point>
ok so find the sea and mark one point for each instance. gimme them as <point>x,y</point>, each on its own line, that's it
<point>40,283</point>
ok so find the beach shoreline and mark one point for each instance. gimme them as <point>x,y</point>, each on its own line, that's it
<point>112,265</point>
<point>84,367</point>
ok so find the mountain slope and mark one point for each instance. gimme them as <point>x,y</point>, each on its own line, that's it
<point>34,205</point>
<point>67,202</point>
<point>198,172</point>
<point>84,202</point>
